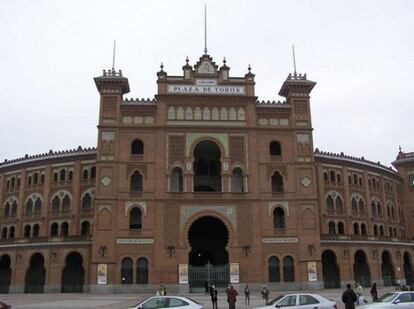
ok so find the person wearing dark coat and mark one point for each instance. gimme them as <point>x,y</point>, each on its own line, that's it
<point>349,297</point>
<point>213,294</point>
<point>374,292</point>
<point>231,297</point>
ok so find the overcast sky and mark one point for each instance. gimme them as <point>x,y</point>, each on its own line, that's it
<point>360,53</point>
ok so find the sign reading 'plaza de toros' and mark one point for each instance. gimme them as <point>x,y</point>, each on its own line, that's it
<point>206,86</point>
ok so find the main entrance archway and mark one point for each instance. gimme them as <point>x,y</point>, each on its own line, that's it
<point>387,269</point>
<point>330,269</point>
<point>5,273</point>
<point>362,272</point>
<point>35,275</point>
<point>208,259</point>
<point>73,275</point>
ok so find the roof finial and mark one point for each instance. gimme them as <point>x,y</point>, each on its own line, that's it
<point>400,149</point>
<point>224,60</point>
<point>162,66</point>
<point>249,68</point>
<point>186,59</point>
<point>205,29</point>
<point>294,59</point>
<point>113,57</point>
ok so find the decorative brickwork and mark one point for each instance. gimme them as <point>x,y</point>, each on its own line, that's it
<point>237,149</point>
<point>109,107</point>
<point>176,148</point>
<point>301,110</point>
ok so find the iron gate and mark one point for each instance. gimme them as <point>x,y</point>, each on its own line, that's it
<point>211,274</point>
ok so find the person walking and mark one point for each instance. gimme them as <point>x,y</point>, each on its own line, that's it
<point>374,292</point>
<point>231,297</point>
<point>161,291</point>
<point>265,294</point>
<point>247,295</point>
<point>398,285</point>
<point>349,297</point>
<point>213,295</point>
<point>359,293</point>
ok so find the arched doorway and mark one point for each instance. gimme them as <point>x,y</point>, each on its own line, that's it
<point>207,167</point>
<point>73,275</point>
<point>35,275</point>
<point>208,259</point>
<point>387,269</point>
<point>5,273</point>
<point>408,269</point>
<point>362,272</point>
<point>330,269</point>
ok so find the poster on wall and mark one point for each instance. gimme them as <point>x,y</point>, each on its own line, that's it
<point>312,274</point>
<point>234,273</point>
<point>183,273</point>
<point>102,273</point>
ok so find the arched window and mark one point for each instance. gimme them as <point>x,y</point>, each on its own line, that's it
<point>274,269</point>
<point>338,178</point>
<point>330,203</point>
<point>70,175</point>
<point>379,207</point>
<point>36,230</point>
<point>62,175</point>
<point>64,229</point>
<point>237,180</point>
<point>56,204</point>
<point>11,232</point>
<point>375,230</point>
<point>35,178</point>
<point>177,180</point>
<point>137,147</point>
<point>136,182</point>
<point>85,174</point>
<point>14,209</point>
<point>275,148</point>
<point>55,177</point>
<point>325,176</point>
<point>135,219</point>
<point>279,218</point>
<point>332,174</point>
<point>142,271</point>
<point>29,207</point>
<point>12,182</point>
<point>126,271</point>
<point>355,180</point>
<point>85,228</point>
<point>86,202</point>
<point>277,182</point>
<point>42,178</point>
<point>66,203</point>
<point>54,229</point>
<point>381,230</point>
<point>363,229</point>
<point>374,209</point>
<point>395,232</point>
<point>6,212</point>
<point>341,228</point>
<point>38,206</point>
<point>29,180</point>
<point>288,269</point>
<point>93,172</point>
<point>339,204</point>
<point>390,231</point>
<point>356,228</point>
<point>354,204</point>
<point>332,227</point>
<point>361,206</point>
<point>4,233</point>
<point>27,231</point>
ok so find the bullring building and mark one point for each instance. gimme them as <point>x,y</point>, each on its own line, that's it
<point>203,183</point>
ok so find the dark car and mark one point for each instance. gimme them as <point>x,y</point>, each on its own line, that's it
<point>4,305</point>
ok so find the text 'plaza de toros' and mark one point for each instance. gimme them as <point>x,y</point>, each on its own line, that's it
<point>203,183</point>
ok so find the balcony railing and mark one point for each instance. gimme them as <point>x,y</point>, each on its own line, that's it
<point>45,239</point>
<point>363,237</point>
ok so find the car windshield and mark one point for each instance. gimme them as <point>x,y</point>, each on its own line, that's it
<point>275,300</point>
<point>386,298</point>
<point>194,301</point>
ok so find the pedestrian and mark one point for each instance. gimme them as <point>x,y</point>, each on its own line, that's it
<point>374,292</point>
<point>359,294</point>
<point>231,297</point>
<point>349,297</point>
<point>247,295</point>
<point>206,287</point>
<point>161,291</point>
<point>265,294</point>
<point>398,285</point>
<point>213,294</point>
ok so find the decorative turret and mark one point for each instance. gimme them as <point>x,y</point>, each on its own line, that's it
<point>296,85</point>
<point>112,81</point>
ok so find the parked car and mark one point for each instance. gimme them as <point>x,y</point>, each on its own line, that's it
<point>390,300</point>
<point>156,302</point>
<point>300,301</point>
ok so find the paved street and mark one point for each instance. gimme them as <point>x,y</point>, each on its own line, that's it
<point>63,301</point>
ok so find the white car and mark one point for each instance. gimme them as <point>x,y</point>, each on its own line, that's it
<point>156,302</point>
<point>300,301</point>
<point>392,300</point>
